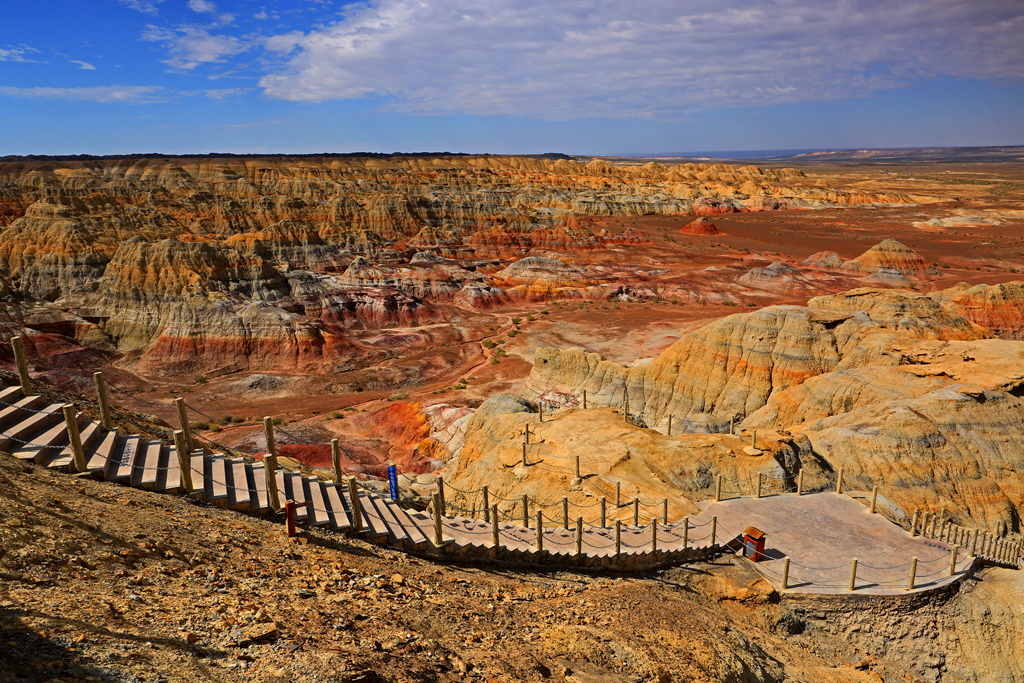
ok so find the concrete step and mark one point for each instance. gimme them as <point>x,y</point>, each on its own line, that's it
<point>256,475</point>
<point>415,536</point>
<point>97,459</point>
<point>28,428</point>
<point>339,517</point>
<point>239,493</point>
<point>372,521</point>
<point>396,533</point>
<point>57,435</point>
<point>10,395</point>
<point>215,479</point>
<point>292,490</point>
<point>197,468</point>
<point>168,477</point>
<point>120,466</point>
<point>318,514</point>
<point>12,415</point>
<point>145,472</point>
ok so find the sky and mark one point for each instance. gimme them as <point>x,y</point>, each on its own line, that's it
<point>587,77</point>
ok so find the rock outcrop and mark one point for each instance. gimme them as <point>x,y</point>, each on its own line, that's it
<point>997,308</point>
<point>701,226</point>
<point>900,391</point>
<point>893,256</point>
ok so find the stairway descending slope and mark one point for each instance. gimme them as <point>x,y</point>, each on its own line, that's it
<point>31,428</point>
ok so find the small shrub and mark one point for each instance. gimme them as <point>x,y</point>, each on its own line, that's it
<point>200,426</point>
<point>488,344</point>
<point>544,312</point>
<point>494,361</point>
<point>512,333</point>
<point>240,420</point>
<point>201,379</point>
<point>501,353</point>
<point>355,386</point>
<point>335,415</point>
<point>279,420</point>
<point>214,427</point>
<point>227,419</point>
<point>516,321</point>
<point>530,318</point>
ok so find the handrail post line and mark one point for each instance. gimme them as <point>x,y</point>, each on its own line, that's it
<point>336,460</point>
<point>101,393</point>
<point>952,562</point>
<point>913,574</point>
<point>800,483</point>
<point>636,512</point>
<point>565,512</point>
<point>269,462</point>
<point>839,481</point>
<point>357,506</point>
<point>184,460</point>
<point>853,575</point>
<point>718,488</point>
<point>495,536</point>
<point>714,529</point>
<point>874,499</point>
<point>785,574</point>
<point>604,516</point>
<point>179,403</point>
<point>618,538</point>
<point>440,495</point>
<point>74,437</point>
<point>579,538</point>
<point>22,362</point>
<point>540,530</point>
<point>686,533</point>
<point>664,510</point>
<point>526,511</point>
<point>487,503</point>
<point>438,530</point>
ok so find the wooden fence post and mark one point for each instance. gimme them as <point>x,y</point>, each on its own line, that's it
<point>438,529</point>
<point>74,438</point>
<point>618,494</point>
<point>800,483</point>
<point>101,393</point>
<point>785,574</point>
<point>839,481</point>
<point>952,562</point>
<point>184,460</point>
<point>618,538</point>
<point>487,503</point>
<point>579,538</point>
<point>913,574</point>
<point>524,454</point>
<point>357,505</point>
<point>760,478</point>
<point>495,535</point>
<point>183,420</point>
<point>541,406</point>
<point>664,510</point>
<point>22,363</point>
<point>440,495</point>
<point>853,575</point>
<point>718,488</point>
<point>636,512</point>
<point>625,406</point>
<point>604,516</point>
<point>732,426</point>
<point>526,511</point>
<point>874,499</point>
<point>526,438</point>
<point>913,523</point>
<point>974,542</point>
<point>714,529</point>
<point>540,530</point>
<point>686,533</point>
<point>269,462</point>
<point>669,425</point>
<point>654,534</point>
<point>584,399</point>
<point>753,439</point>
<point>336,460</point>
<point>578,468</point>
<point>565,512</point>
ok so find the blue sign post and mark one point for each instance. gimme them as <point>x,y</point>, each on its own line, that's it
<point>393,481</point>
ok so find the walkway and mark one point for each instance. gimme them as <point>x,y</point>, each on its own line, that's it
<point>822,533</point>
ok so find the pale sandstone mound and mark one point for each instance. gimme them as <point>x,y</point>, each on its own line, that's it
<point>777,276</point>
<point>701,226</point>
<point>998,308</point>
<point>892,255</point>
<point>537,275</point>
<point>825,260</point>
<point>643,463</point>
<point>907,313</point>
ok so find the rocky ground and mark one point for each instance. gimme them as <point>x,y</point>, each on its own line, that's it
<point>114,584</point>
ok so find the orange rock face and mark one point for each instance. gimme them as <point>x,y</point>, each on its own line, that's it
<point>701,226</point>
<point>998,308</point>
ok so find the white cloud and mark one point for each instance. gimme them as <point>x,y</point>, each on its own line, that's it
<point>148,6</point>
<point>656,59</point>
<point>17,54</point>
<point>262,14</point>
<point>136,94</point>
<point>189,46</point>
<point>83,65</point>
<point>201,6</point>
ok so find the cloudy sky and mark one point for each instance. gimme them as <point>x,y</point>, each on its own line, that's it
<point>502,76</point>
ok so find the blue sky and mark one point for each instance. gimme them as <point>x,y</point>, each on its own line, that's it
<point>579,76</point>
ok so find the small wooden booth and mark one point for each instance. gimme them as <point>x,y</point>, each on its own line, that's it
<point>753,543</point>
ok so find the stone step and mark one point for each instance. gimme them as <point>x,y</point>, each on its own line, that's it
<point>97,459</point>
<point>215,479</point>
<point>339,517</point>
<point>197,468</point>
<point>372,521</point>
<point>291,489</point>
<point>414,534</point>
<point>317,511</point>
<point>30,426</point>
<point>12,415</point>
<point>10,395</point>
<point>239,491</point>
<point>256,474</point>
<point>43,453</point>
<point>168,477</point>
<point>120,466</point>
<point>145,472</point>
<point>396,534</point>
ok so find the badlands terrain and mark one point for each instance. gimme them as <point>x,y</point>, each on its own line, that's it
<point>424,309</point>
